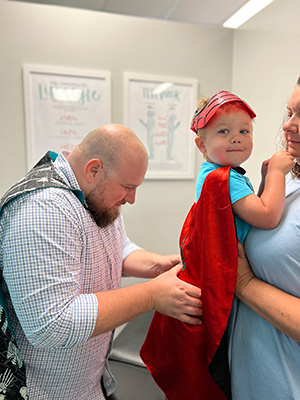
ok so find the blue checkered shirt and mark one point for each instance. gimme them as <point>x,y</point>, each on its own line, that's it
<point>54,257</point>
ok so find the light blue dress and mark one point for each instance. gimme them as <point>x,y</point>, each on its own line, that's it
<point>265,363</point>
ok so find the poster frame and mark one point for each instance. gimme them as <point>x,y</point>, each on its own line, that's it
<point>132,105</point>
<point>30,101</point>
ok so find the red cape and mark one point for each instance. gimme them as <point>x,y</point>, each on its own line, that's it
<point>190,361</point>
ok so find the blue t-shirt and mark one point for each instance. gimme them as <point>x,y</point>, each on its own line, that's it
<point>239,187</point>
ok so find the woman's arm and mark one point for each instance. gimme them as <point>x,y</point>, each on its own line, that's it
<point>279,308</point>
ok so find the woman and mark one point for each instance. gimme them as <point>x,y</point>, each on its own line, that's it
<point>266,340</point>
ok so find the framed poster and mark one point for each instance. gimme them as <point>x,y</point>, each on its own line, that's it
<point>159,110</point>
<point>61,106</point>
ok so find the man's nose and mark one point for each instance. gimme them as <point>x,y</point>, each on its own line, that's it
<point>130,196</point>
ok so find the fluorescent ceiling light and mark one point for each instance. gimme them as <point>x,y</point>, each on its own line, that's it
<point>246,12</point>
<point>162,87</point>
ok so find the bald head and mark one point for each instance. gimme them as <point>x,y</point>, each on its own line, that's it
<point>115,146</point>
<point>109,143</point>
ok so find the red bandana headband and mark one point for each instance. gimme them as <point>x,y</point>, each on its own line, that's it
<point>202,117</point>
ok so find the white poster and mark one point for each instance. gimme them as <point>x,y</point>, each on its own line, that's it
<point>159,110</point>
<point>62,106</point>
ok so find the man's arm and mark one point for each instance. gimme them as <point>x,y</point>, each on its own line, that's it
<point>145,264</point>
<point>166,294</point>
<point>42,270</point>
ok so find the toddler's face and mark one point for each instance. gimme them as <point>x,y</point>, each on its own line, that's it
<point>227,139</point>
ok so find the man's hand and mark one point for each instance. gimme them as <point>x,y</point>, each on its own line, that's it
<point>175,298</point>
<point>165,263</point>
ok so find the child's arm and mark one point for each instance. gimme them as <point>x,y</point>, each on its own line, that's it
<point>266,211</point>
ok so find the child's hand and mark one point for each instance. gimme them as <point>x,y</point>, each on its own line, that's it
<point>281,161</point>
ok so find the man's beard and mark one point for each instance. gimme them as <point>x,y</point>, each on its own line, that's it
<point>102,215</point>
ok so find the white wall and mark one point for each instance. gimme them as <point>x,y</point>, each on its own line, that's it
<point>65,37</point>
<point>266,65</point>
<point>260,62</point>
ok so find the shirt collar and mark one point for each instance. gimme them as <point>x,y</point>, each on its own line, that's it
<point>64,170</point>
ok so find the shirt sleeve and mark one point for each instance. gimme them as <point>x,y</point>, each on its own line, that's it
<point>128,246</point>
<point>239,186</point>
<point>42,246</point>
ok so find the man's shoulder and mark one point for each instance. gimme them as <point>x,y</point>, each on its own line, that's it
<point>46,199</point>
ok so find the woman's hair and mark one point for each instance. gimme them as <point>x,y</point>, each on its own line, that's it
<point>280,137</point>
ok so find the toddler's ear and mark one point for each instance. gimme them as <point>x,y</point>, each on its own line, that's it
<point>200,144</point>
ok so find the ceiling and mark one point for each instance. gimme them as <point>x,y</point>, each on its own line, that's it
<point>202,12</point>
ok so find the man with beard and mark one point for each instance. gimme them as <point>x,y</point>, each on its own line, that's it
<point>63,251</point>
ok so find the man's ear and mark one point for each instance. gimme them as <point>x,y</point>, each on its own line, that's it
<point>200,144</point>
<point>92,169</point>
